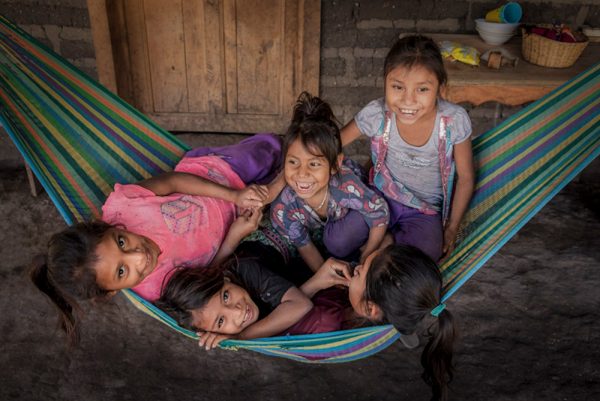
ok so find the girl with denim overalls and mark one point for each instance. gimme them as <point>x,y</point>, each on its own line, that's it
<point>419,142</point>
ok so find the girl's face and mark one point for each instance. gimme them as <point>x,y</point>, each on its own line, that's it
<point>229,311</point>
<point>357,288</point>
<point>307,173</point>
<point>124,259</point>
<point>411,94</point>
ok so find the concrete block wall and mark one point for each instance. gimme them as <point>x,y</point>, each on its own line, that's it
<point>355,37</point>
<point>62,25</point>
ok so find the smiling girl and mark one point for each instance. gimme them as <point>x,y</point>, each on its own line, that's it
<point>185,218</point>
<point>418,141</point>
<point>322,194</point>
<point>244,300</point>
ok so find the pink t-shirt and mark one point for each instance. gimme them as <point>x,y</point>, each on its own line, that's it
<point>188,229</point>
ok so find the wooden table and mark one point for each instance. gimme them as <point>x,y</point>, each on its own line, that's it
<point>508,85</point>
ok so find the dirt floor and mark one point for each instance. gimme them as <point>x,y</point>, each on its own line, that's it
<point>530,324</point>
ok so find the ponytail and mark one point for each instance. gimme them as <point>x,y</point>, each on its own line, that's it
<point>406,285</point>
<point>67,309</point>
<point>66,274</point>
<point>436,358</point>
<point>315,125</point>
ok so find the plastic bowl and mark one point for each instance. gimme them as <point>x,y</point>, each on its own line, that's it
<point>494,38</point>
<point>497,27</point>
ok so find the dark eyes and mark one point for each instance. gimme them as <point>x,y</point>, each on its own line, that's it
<point>311,164</point>
<point>121,241</point>
<point>221,320</point>
<point>121,271</point>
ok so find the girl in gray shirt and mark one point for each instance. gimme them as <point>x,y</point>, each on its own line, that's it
<point>418,143</point>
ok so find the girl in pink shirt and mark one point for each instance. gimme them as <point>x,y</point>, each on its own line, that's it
<point>185,218</point>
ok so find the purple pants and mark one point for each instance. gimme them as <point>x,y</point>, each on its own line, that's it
<point>344,237</point>
<point>256,160</point>
<point>411,227</point>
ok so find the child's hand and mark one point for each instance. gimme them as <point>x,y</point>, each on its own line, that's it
<point>209,340</point>
<point>252,197</point>
<point>246,223</point>
<point>449,240</point>
<point>333,272</point>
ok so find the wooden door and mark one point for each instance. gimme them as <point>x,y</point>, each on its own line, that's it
<point>209,65</point>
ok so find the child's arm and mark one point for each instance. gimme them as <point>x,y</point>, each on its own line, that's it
<point>294,305</point>
<point>332,272</point>
<point>349,133</point>
<point>246,223</point>
<point>465,183</point>
<point>376,235</point>
<point>311,256</point>
<point>275,187</point>
<point>252,196</point>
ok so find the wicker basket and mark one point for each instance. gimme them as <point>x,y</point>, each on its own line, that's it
<point>546,52</point>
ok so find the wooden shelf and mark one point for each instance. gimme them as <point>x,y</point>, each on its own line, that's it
<point>508,85</point>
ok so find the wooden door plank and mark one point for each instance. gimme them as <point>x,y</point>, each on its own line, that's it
<point>310,42</point>
<point>259,55</point>
<point>292,33</point>
<point>195,54</point>
<point>164,32</point>
<point>215,62</point>
<point>141,83</point>
<point>105,64</point>
<point>120,47</point>
<point>230,62</point>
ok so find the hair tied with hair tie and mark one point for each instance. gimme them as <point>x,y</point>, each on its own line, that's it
<point>437,310</point>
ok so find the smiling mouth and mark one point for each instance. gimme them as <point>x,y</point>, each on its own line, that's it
<point>303,187</point>
<point>247,314</point>
<point>408,112</point>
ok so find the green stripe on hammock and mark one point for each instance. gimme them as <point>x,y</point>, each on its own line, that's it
<point>80,139</point>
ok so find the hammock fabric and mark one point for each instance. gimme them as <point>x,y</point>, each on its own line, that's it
<point>80,139</point>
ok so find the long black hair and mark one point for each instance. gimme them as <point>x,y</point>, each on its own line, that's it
<point>66,273</point>
<point>406,285</point>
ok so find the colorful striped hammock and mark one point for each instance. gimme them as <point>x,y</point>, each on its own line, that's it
<point>79,139</point>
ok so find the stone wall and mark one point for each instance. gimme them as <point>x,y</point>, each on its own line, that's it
<point>355,36</point>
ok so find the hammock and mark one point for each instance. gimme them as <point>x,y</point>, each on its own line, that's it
<point>80,139</point>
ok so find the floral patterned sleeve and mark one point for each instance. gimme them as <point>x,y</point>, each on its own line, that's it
<point>356,195</point>
<point>289,218</point>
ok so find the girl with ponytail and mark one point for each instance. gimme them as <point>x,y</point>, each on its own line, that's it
<point>402,286</point>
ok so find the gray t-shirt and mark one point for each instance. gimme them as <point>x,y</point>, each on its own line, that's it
<point>416,167</point>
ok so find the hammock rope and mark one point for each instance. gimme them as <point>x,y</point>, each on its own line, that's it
<point>80,139</point>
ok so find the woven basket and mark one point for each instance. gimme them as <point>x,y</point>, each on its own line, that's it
<point>546,52</point>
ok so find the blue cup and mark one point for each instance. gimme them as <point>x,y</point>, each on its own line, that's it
<point>509,13</point>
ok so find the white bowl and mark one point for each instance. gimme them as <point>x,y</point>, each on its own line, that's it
<point>498,27</point>
<point>493,38</point>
